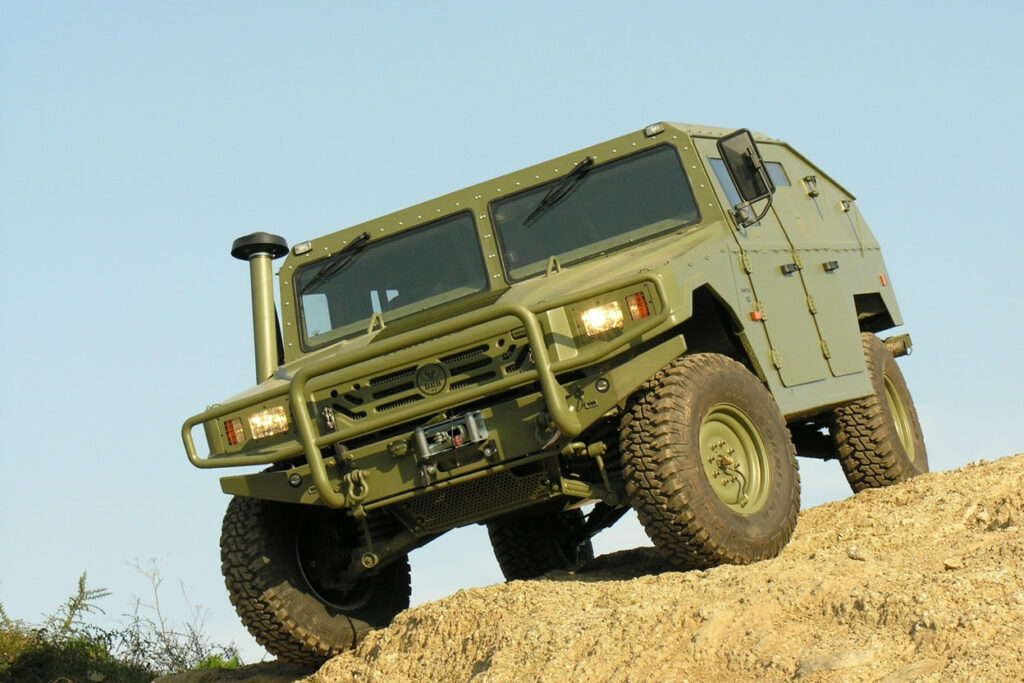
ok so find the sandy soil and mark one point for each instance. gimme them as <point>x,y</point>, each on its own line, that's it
<point>918,582</point>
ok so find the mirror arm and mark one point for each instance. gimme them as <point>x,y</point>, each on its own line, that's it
<point>740,209</point>
<point>766,207</point>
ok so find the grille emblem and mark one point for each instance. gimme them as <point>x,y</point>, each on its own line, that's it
<point>431,379</point>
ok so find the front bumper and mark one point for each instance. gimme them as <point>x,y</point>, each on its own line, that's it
<point>307,439</point>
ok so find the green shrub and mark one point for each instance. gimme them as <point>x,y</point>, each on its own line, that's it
<point>68,648</point>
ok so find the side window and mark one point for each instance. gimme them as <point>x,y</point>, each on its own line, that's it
<point>725,180</point>
<point>776,173</point>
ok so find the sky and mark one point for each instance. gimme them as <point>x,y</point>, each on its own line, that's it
<point>137,140</point>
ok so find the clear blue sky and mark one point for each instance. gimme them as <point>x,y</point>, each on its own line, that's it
<point>137,140</point>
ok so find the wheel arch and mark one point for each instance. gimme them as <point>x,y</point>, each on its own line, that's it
<point>873,313</point>
<point>713,327</point>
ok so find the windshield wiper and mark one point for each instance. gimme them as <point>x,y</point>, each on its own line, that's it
<point>561,189</point>
<point>337,261</point>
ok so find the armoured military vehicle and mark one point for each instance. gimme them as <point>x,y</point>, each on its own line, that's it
<point>661,321</point>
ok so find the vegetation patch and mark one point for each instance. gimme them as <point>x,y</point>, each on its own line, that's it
<point>67,647</point>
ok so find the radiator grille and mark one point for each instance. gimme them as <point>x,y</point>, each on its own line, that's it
<point>474,365</point>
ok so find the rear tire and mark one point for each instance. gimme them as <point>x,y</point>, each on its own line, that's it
<point>528,547</point>
<point>710,467</point>
<point>273,556</point>
<point>878,439</point>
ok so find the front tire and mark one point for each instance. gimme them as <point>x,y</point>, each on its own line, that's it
<point>710,467</point>
<point>878,439</point>
<point>274,557</point>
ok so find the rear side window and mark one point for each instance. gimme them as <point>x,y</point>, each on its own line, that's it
<point>776,173</point>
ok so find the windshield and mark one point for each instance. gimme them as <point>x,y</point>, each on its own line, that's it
<point>608,208</point>
<point>396,277</point>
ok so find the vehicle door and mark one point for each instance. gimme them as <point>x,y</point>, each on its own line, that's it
<point>776,293</point>
<point>813,213</point>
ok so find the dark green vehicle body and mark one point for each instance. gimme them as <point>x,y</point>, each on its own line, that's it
<point>421,411</point>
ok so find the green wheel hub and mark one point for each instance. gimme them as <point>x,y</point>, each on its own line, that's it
<point>899,417</point>
<point>735,459</point>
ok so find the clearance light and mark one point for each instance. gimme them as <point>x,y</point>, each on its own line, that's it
<point>268,422</point>
<point>602,318</point>
<point>637,304</point>
<point>233,430</point>
<point>654,129</point>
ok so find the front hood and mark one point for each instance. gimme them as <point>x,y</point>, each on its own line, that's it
<point>646,257</point>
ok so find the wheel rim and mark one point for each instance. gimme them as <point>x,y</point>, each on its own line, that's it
<point>735,459</point>
<point>319,553</point>
<point>899,417</point>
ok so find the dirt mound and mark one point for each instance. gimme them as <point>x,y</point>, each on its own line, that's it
<point>921,581</point>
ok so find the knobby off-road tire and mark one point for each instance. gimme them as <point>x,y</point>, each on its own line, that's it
<point>268,555</point>
<point>878,439</point>
<point>528,547</point>
<point>709,464</point>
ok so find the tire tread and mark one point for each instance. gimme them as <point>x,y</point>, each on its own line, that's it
<point>660,486</point>
<point>865,436</point>
<point>271,607</point>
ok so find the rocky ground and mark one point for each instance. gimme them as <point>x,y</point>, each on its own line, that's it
<point>919,582</point>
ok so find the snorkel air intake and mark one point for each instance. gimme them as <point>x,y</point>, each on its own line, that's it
<point>260,249</point>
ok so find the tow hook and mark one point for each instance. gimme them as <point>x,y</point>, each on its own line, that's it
<point>899,345</point>
<point>356,488</point>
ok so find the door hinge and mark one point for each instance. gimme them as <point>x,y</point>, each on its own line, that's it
<point>797,260</point>
<point>748,266</point>
<point>811,306</point>
<point>825,350</point>
<point>776,359</point>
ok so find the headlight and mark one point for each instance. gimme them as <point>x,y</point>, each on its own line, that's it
<point>602,318</point>
<point>268,422</point>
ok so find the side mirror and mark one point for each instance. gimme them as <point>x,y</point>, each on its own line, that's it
<point>748,173</point>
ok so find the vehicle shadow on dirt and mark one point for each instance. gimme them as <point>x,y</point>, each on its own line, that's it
<point>622,565</point>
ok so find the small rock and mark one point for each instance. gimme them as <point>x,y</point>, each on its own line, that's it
<point>855,553</point>
<point>952,563</point>
<point>914,671</point>
<point>837,660</point>
<point>925,623</point>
